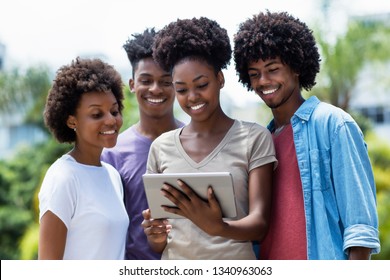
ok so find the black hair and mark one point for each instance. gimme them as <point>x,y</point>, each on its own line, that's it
<point>71,82</point>
<point>139,47</point>
<point>270,35</point>
<point>194,38</point>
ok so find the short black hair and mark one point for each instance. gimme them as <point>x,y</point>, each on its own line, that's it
<point>196,38</point>
<point>71,82</point>
<point>139,47</point>
<point>270,35</point>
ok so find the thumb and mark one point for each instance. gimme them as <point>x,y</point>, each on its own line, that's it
<point>146,214</point>
<point>213,202</point>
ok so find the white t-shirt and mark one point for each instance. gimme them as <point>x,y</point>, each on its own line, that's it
<point>89,201</point>
<point>245,146</point>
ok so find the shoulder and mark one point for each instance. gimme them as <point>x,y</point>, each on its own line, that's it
<point>64,166</point>
<point>251,128</point>
<point>328,112</point>
<point>110,169</point>
<point>329,116</point>
<point>62,175</point>
<point>167,136</point>
<point>332,120</point>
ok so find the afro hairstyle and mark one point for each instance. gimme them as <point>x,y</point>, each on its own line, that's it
<point>199,39</point>
<point>71,82</point>
<point>270,35</point>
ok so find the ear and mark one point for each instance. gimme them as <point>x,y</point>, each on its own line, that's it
<point>221,79</point>
<point>131,85</point>
<point>71,122</point>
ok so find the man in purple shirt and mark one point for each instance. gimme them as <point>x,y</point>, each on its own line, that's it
<point>155,96</point>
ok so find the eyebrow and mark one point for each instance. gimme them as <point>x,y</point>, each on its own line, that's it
<point>150,75</point>
<point>99,105</point>
<point>194,80</point>
<point>268,64</point>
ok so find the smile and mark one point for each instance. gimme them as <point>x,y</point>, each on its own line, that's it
<point>110,132</point>
<point>197,107</point>
<point>270,91</point>
<point>155,100</point>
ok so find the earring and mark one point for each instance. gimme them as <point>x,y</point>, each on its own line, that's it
<point>74,129</point>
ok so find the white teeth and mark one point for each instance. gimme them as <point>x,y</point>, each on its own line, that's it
<point>108,132</point>
<point>157,100</point>
<point>269,91</point>
<point>197,107</point>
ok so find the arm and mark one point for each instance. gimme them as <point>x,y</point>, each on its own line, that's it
<point>359,253</point>
<point>52,237</point>
<point>354,185</point>
<point>207,214</point>
<point>156,231</point>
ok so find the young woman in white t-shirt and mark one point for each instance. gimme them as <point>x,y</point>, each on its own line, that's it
<point>82,215</point>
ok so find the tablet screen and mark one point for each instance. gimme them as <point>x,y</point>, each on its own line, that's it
<point>222,183</point>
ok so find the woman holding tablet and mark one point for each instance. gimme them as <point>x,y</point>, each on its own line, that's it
<point>195,51</point>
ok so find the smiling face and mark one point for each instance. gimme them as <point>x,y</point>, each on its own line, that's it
<point>274,82</point>
<point>97,121</point>
<point>153,88</point>
<point>197,88</point>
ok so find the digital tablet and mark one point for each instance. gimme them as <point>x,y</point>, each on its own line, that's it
<point>222,183</point>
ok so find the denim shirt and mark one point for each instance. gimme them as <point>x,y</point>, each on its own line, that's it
<point>337,180</point>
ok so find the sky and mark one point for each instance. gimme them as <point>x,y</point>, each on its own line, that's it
<point>54,32</point>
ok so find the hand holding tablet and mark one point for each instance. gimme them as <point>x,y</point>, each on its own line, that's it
<point>221,182</point>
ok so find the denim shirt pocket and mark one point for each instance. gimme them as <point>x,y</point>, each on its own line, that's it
<point>320,169</point>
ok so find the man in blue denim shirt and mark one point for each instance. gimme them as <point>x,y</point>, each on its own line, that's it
<point>324,204</point>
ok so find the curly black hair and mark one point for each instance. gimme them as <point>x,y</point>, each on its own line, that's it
<point>270,35</point>
<point>80,76</point>
<point>194,38</point>
<point>140,47</point>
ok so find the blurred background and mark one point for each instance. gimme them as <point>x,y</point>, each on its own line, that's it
<point>37,37</point>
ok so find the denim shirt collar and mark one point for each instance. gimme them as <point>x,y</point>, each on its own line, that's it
<point>303,113</point>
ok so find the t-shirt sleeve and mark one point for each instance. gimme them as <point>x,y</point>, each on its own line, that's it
<point>151,165</point>
<point>261,147</point>
<point>58,194</point>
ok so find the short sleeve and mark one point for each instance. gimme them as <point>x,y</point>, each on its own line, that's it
<point>58,194</point>
<point>261,147</point>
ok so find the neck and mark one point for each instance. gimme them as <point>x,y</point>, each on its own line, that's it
<point>283,114</point>
<point>154,127</point>
<point>219,124</point>
<point>86,158</point>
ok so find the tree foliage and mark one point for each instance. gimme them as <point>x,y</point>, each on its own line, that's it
<point>342,61</point>
<point>24,94</point>
<point>21,176</point>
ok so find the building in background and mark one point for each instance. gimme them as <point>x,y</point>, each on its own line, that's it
<point>14,133</point>
<point>372,93</point>
<point>2,55</point>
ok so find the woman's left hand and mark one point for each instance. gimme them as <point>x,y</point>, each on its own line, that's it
<point>207,215</point>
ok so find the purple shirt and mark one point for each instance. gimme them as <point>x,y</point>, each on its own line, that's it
<point>129,157</point>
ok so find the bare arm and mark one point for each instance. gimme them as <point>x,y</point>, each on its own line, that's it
<point>52,237</point>
<point>359,253</point>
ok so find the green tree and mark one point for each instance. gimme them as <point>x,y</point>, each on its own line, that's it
<point>19,180</point>
<point>364,42</point>
<point>36,85</point>
<point>25,93</point>
<point>379,152</point>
